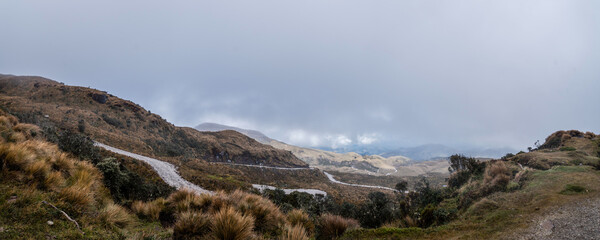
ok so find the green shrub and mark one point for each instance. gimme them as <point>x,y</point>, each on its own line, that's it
<point>572,189</point>
<point>375,211</point>
<point>79,145</point>
<point>126,185</point>
<point>112,121</point>
<point>567,149</point>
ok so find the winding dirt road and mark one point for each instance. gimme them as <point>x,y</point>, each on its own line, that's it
<point>356,185</point>
<point>169,174</point>
<point>165,170</point>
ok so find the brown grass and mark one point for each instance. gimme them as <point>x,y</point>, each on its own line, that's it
<point>148,210</point>
<point>299,217</point>
<point>297,232</point>
<point>228,224</point>
<point>113,215</point>
<point>496,176</point>
<point>267,216</point>
<point>333,226</point>
<point>192,225</point>
<point>186,200</point>
<point>16,157</point>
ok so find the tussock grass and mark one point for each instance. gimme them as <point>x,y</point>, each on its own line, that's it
<point>229,224</point>
<point>185,200</point>
<point>333,226</point>
<point>113,215</point>
<point>148,210</point>
<point>295,232</point>
<point>267,216</point>
<point>496,176</point>
<point>192,225</point>
<point>299,217</point>
<point>16,157</point>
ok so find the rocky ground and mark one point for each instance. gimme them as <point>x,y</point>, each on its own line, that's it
<point>576,220</point>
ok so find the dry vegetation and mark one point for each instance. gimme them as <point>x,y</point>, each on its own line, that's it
<point>33,171</point>
<point>125,124</point>
<point>481,201</point>
<point>504,198</point>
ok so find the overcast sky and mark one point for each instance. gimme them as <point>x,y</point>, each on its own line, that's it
<point>328,73</point>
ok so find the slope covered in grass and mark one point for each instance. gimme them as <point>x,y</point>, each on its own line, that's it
<point>123,123</point>
<point>513,198</point>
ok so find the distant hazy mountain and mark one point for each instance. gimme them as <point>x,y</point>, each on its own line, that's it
<point>215,127</point>
<point>432,151</point>
<point>327,160</point>
<point>424,152</point>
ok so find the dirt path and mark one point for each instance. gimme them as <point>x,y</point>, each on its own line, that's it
<point>355,185</point>
<point>165,170</point>
<point>329,176</point>
<point>261,166</point>
<point>575,220</point>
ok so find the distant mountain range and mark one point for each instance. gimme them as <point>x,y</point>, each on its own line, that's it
<point>215,127</point>
<point>425,152</point>
<point>327,160</point>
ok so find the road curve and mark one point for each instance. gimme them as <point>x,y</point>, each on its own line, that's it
<point>165,170</point>
<point>329,176</point>
<point>261,166</point>
<point>356,185</point>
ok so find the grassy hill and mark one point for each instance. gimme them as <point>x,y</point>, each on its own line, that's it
<point>55,184</point>
<point>122,123</point>
<point>58,109</point>
<point>522,196</point>
<point>46,193</point>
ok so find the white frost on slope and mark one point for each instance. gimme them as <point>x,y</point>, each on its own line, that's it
<point>288,191</point>
<point>165,170</point>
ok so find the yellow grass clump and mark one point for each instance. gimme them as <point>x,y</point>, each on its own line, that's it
<point>296,232</point>
<point>192,225</point>
<point>148,210</point>
<point>229,224</point>
<point>113,215</point>
<point>496,176</point>
<point>185,200</point>
<point>299,217</point>
<point>267,216</point>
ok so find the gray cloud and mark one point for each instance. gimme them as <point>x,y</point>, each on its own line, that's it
<point>481,73</point>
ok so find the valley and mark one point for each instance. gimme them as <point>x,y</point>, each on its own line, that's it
<point>94,154</point>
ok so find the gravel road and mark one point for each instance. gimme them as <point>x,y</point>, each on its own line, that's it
<point>355,185</point>
<point>575,220</point>
<point>169,173</point>
<point>165,170</point>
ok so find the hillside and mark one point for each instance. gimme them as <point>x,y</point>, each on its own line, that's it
<point>548,193</point>
<point>46,193</point>
<point>202,158</point>
<point>215,127</point>
<point>109,119</point>
<point>344,162</point>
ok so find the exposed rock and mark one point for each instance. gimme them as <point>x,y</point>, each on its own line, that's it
<point>50,223</point>
<point>101,98</point>
<point>12,199</point>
